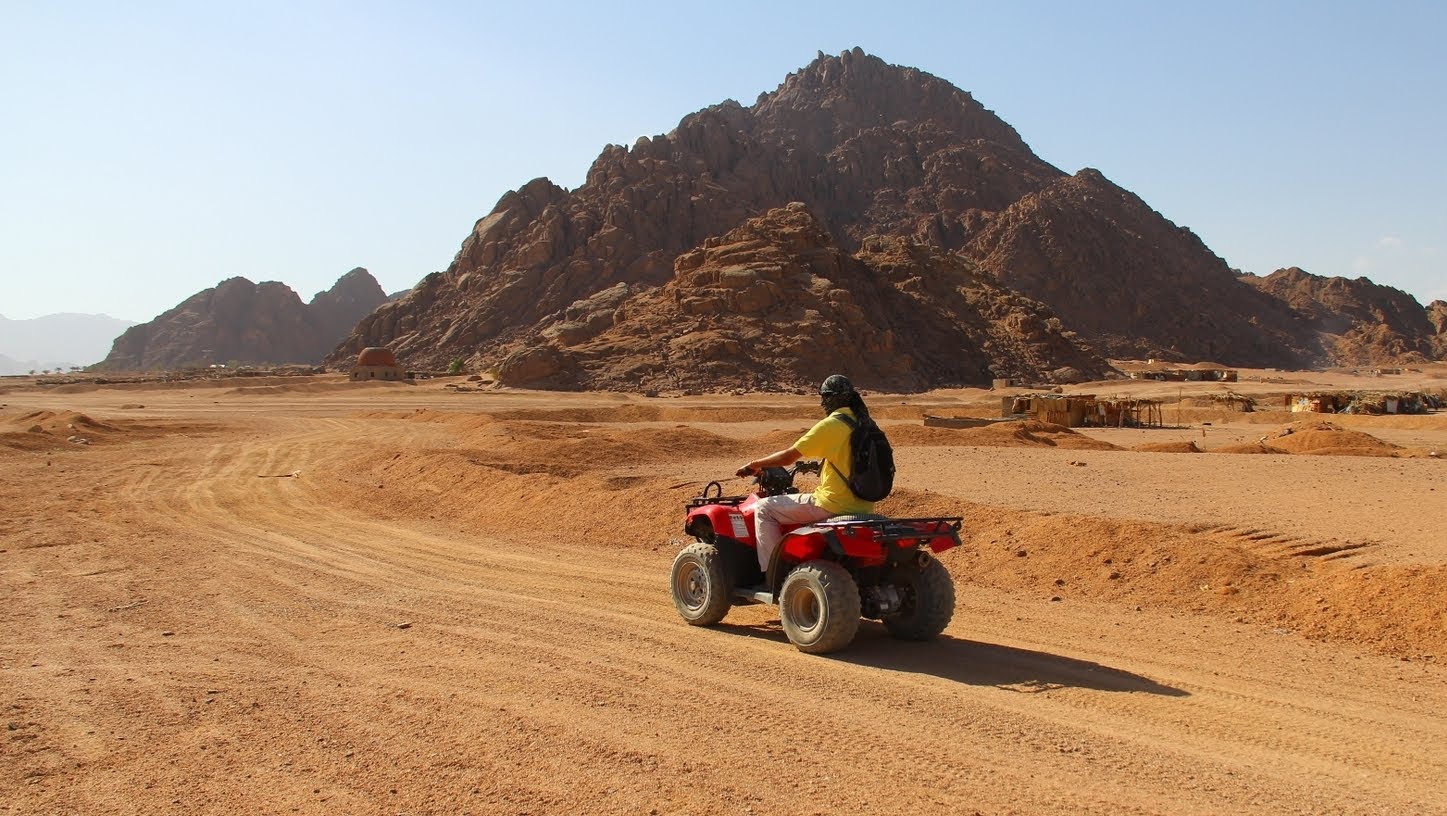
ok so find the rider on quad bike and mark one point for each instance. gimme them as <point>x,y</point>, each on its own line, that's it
<point>827,440</point>
<point>824,570</point>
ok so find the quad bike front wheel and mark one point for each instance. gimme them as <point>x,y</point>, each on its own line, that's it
<point>700,584</point>
<point>819,607</point>
<point>928,596</point>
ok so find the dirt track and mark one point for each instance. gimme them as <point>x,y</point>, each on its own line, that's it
<point>325,601</point>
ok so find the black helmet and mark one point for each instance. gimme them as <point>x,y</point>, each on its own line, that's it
<point>836,385</point>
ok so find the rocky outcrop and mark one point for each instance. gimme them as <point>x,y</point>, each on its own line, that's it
<point>1356,322</point>
<point>239,321</point>
<point>774,304</point>
<point>1133,282</point>
<point>1437,316</point>
<point>871,149</point>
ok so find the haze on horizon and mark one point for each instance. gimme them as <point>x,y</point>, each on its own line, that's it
<point>153,151</point>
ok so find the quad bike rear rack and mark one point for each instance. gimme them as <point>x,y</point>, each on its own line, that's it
<point>899,529</point>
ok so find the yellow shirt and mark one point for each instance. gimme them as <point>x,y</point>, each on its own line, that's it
<point>829,440</point>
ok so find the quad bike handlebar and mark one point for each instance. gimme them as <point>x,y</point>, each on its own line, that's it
<point>772,481</point>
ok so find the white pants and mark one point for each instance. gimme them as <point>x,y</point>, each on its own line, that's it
<point>769,513</point>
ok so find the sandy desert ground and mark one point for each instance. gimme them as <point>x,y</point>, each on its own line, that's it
<point>300,595</point>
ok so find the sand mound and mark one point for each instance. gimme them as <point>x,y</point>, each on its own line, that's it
<point>313,387</point>
<point>623,413</point>
<point>160,383</point>
<point>1168,447</point>
<point>661,413</point>
<point>1423,453</point>
<point>41,430</point>
<point>1250,447</point>
<point>57,421</point>
<point>1405,422</point>
<point>53,430</point>
<point>601,447</point>
<point>915,435</point>
<point>24,441</point>
<point>1388,609</point>
<point>500,490</point>
<point>570,448</point>
<point>1328,439</point>
<point>1027,433</point>
<point>1350,450</point>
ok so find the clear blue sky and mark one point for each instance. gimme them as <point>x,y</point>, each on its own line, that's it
<point>149,150</point>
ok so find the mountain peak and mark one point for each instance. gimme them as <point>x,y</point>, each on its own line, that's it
<point>856,91</point>
<point>867,148</point>
<point>357,284</point>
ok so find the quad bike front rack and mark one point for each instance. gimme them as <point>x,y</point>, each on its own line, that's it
<point>717,497</point>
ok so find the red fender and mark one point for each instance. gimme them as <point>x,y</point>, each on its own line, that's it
<point>725,520</point>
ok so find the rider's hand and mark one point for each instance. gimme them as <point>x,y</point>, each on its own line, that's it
<point>744,471</point>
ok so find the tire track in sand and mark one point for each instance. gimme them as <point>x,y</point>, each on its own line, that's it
<point>551,676</point>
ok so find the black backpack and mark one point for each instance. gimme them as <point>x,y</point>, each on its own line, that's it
<point>873,460</point>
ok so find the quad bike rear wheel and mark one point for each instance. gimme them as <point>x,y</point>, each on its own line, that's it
<point>700,584</point>
<point>819,607</point>
<point>929,601</point>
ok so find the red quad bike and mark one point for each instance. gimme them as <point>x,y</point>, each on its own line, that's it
<point>824,577</point>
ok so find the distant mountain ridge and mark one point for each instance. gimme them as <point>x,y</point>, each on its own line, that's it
<point>238,321</point>
<point>9,366</point>
<point>56,341</point>
<point>869,149</point>
<point>1361,322</point>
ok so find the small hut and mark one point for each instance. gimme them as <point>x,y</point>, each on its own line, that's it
<point>1121,412</point>
<point>1174,372</point>
<point>377,363</point>
<point>1315,402</point>
<point>1233,401</point>
<point>1210,371</point>
<point>1071,411</point>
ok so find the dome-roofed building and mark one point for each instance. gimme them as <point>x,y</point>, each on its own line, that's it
<point>377,363</point>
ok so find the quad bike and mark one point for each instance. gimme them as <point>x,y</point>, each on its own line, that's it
<point>824,576</point>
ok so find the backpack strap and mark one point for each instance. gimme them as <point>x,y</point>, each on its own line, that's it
<point>853,426</point>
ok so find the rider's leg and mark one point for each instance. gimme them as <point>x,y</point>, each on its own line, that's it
<point>769,513</point>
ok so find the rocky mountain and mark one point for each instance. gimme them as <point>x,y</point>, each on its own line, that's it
<point>1357,322</point>
<point>774,303</point>
<point>239,321</point>
<point>56,341</point>
<point>1134,283</point>
<point>1437,315</point>
<point>870,149</point>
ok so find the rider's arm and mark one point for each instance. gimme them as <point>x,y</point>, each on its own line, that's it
<point>783,458</point>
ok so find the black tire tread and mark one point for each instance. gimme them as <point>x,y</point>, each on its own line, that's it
<point>718,601</point>
<point>841,606</point>
<point>934,605</point>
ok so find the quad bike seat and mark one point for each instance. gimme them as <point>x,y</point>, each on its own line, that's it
<point>856,517</point>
